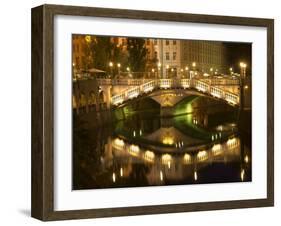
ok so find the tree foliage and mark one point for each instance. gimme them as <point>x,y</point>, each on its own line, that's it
<point>136,54</point>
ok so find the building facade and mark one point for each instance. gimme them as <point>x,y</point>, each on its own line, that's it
<point>176,57</point>
<point>164,57</point>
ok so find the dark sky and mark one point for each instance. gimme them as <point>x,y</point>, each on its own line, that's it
<point>238,52</point>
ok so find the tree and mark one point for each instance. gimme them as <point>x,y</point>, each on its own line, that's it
<point>102,49</point>
<point>105,51</point>
<point>136,54</point>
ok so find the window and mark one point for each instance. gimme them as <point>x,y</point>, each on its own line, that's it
<point>174,55</point>
<point>155,41</point>
<point>147,41</point>
<point>155,54</point>
<point>174,42</point>
<point>167,56</point>
<point>167,42</point>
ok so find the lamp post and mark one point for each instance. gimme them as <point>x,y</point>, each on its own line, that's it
<point>193,68</point>
<point>118,65</point>
<point>211,71</point>
<point>186,69</point>
<point>159,70</point>
<point>128,71</point>
<point>242,77</point>
<point>153,72</point>
<point>111,66</point>
<point>231,70</point>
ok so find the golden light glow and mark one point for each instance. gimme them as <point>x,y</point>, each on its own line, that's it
<point>128,69</point>
<point>232,142</point>
<point>211,69</point>
<point>110,64</point>
<point>161,175</point>
<point>186,68</point>
<point>231,69</point>
<point>202,155</point>
<point>113,177</point>
<point>159,64</point>
<point>168,140</point>
<point>149,156</point>
<point>242,174</point>
<point>152,70</point>
<point>88,38</point>
<point>167,66</point>
<point>217,149</point>
<point>186,158</point>
<point>166,158</point>
<point>194,64</point>
<point>121,172</point>
<point>195,175</point>
<point>169,164</point>
<point>246,159</point>
<point>134,150</point>
<point>246,87</point>
<point>119,65</point>
<point>119,142</point>
<point>243,65</point>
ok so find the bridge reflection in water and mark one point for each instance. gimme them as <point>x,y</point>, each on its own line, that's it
<point>145,150</point>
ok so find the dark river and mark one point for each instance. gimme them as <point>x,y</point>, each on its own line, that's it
<point>204,142</point>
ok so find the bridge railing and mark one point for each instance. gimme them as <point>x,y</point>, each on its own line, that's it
<point>199,85</point>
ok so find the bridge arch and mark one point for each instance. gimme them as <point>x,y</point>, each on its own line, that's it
<point>184,86</point>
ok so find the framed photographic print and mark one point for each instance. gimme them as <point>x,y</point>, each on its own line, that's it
<point>141,112</point>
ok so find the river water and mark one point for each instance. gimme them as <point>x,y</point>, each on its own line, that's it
<point>201,143</point>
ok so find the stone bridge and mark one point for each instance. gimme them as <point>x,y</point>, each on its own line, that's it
<point>103,94</point>
<point>168,92</point>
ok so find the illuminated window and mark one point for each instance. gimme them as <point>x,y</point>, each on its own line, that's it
<point>167,42</point>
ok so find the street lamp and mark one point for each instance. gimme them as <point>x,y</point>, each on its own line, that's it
<point>110,66</point>
<point>242,77</point>
<point>159,69</point>
<point>216,71</point>
<point>243,67</point>
<point>128,71</point>
<point>118,65</point>
<point>153,70</point>
<point>186,69</point>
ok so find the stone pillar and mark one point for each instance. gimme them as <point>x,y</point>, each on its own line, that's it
<point>107,95</point>
<point>166,111</point>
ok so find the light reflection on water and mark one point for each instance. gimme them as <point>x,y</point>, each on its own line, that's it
<point>187,149</point>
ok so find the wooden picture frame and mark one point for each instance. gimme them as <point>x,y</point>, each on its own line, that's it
<point>43,107</point>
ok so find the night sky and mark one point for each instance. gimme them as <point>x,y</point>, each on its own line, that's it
<point>237,52</point>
